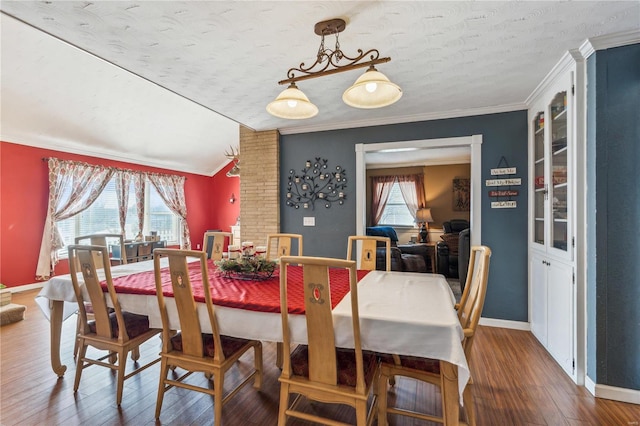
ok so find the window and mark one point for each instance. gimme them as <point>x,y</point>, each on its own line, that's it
<point>102,217</point>
<point>396,211</point>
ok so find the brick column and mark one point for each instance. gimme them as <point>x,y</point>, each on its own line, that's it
<point>259,184</point>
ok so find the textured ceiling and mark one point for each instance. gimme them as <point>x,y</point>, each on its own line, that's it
<point>222,59</point>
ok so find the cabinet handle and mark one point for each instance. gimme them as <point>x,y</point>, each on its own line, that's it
<point>546,191</point>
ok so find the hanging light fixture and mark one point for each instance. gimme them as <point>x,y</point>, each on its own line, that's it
<point>292,104</point>
<point>371,90</point>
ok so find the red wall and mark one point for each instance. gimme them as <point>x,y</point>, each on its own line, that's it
<point>24,191</point>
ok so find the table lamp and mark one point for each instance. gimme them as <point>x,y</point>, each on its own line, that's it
<point>424,217</point>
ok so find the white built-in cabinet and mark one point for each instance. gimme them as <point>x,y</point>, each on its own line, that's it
<point>553,124</point>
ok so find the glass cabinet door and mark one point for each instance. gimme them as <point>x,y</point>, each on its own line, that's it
<point>558,171</point>
<point>539,183</point>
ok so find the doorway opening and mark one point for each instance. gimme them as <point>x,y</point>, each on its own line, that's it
<point>473,143</point>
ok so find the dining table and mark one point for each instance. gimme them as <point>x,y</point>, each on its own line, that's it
<point>400,313</point>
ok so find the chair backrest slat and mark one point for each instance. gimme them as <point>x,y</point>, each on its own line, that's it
<point>319,319</point>
<point>369,247</point>
<point>317,298</point>
<point>186,305</point>
<point>213,243</point>
<point>472,300</point>
<point>279,245</point>
<point>85,260</point>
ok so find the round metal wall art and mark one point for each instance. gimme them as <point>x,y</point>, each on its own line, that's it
<point>316,182</point>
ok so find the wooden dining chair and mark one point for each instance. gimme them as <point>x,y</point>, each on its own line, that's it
<point>104,240</point>
<point>197,346</point>
<point>369,246</point>
<point>213,243</point>
<point>429,370</point>
<point>279,245</point>
<point>113,330</point>
<point>319,370</point>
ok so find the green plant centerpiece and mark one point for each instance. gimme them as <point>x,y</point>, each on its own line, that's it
<point>247,267</point>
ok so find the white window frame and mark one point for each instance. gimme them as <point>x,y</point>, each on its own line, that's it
<point>396,186</point>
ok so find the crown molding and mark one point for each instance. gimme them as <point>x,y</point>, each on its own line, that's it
<point>609,41</point>
<point>405,119</point>
<point>568,60</point>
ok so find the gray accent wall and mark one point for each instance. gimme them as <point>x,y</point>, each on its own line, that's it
<point>614,283</point>
<point>503,230</point>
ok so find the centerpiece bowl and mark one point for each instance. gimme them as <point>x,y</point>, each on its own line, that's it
<point>246,268</point>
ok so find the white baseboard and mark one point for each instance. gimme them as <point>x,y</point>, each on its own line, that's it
<point>514,325</point>
<point>590,385</point>
<point>25,287</point>
<point>631,396</point>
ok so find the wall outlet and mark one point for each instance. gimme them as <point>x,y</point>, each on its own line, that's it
<point>197,246</point>
<point>309,221</point>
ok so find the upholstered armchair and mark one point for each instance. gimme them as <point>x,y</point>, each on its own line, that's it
<point>407,258</point>
<point>448,248</point>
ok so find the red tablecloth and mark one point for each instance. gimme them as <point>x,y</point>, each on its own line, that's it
<point>262,296</point>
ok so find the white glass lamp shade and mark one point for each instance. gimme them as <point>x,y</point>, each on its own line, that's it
<point>292,104</point>
<point>372,90</point>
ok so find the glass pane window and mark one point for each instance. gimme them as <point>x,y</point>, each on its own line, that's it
<point>102,217</point>
<point>160,218</point>
<point>396,211</point>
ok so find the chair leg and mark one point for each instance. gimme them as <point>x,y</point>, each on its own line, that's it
<point>382,399</point>
<point>361,413</point>
<point>469,408</point>
<point>164,370</point>
<point>122,365</point>
<point>82,352</point>
<point>257,355</point>
<point>135,353</point>
<point>218,386</point>
<point>284,404</point>
<point>76,345</point>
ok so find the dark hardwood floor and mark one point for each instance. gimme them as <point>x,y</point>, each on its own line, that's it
<point>516,383</point>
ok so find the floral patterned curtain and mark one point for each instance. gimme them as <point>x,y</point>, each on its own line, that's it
<point>412,189</point>
<point>381,186</point>
<point>171,190</point>
<point>73,187</point>
<point>123,180</point>
<point>139,182</point>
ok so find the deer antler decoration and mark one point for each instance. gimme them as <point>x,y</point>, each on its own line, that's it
<point>234,155</point>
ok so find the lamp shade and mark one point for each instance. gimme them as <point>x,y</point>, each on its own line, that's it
<point>372,90</point>
<point>292,104</point>
<point>424,215</point>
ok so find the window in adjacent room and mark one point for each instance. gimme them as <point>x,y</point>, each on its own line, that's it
<point>396,212</point>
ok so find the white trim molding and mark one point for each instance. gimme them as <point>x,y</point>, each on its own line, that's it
<point>500,323</point>
<point>414,118</point>
<point>590,385</point>
<point>631,396</point>
<point>25,287</point>
<point>609,41</point>
<point>613,393</point>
